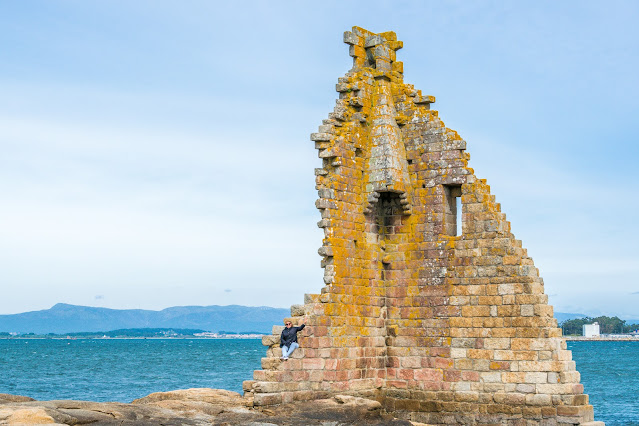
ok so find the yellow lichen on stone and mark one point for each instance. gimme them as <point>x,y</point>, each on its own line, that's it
<point>442,325</point>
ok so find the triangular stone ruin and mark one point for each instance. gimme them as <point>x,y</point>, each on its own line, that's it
<point>440,326</point>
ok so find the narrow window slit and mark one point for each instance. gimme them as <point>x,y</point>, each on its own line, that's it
<point>452,225</point>
<point>458,210</point>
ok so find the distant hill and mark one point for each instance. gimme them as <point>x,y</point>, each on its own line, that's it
<point>564,316</point>
<point>137,332</point>
<point>64,318</point>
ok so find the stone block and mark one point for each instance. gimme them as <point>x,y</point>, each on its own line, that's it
<point>429,374</point>
<point>580,399</point>
<point>373,40</point>
<point>525,388</point>
<point>467,396</point>
<point>499,343</point>
<point>500,365</point>
<point>270,363</point>
<point>538,400</point>
<point>311,298</point>
<point>265,399</point>
<point>491,377</point>
<point>527,310</point>
<point>536,413</point>
<point>268,387</point>
<point>270,340</point>
<point>297,311</point>
<point>350,38</point>
<point>317,137</point>
<point>313,363</point>
<point>274,351</point>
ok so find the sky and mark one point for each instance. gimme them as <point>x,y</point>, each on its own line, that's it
<point>157,153</point>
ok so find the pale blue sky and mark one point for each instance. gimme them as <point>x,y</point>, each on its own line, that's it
<point>158,154</point>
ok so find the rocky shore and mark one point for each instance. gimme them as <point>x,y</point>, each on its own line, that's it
<point>201,406</point>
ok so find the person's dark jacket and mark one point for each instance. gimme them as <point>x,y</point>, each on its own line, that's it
<point>289,335</point>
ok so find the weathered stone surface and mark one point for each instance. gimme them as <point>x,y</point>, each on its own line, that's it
<point>429,303</point>
<point>25,416</point>
<point>270,340</point>
<point>353,401</point>
<point>195,407</point>
<point>297,310</point>
<point>5,397</point>
<point>213,396</point>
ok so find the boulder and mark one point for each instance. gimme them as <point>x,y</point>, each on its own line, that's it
<point>211,396</point>
<point>195,407</point>
<point>5,397</point>
<point>28,416</point>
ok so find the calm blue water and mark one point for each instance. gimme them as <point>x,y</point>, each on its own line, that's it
<point>122,370</point>
<point>610,375</point>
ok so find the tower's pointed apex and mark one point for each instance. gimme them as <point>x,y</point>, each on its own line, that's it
<point>374,51</point>
<point>374,60</point>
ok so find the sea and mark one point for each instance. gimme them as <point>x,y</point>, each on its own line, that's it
<point>126,369</point>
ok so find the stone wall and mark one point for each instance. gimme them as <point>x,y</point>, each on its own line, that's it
<point>441,328</point>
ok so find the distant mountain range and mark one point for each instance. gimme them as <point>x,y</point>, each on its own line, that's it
<point>64,318</point>
<point>563,316</point>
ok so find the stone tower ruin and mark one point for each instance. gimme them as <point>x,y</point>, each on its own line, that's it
<point>430,304</point>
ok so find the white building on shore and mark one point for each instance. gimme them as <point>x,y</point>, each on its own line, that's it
<point>591,330</point>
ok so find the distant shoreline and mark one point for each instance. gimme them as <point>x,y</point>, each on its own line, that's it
<point>614,338</point>
<point>131,338</point>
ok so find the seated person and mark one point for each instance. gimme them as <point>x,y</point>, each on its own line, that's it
<point>288,340</point>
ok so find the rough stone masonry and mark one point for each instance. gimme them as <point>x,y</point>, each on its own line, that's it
<point>430,304</point>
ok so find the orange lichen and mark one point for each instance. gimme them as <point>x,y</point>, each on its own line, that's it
<point>411,306</point>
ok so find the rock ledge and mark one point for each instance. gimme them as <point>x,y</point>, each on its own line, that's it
<point>200,406</point>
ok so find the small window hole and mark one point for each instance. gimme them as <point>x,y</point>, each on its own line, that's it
<point>452,210</point>
<point>458,211</point>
